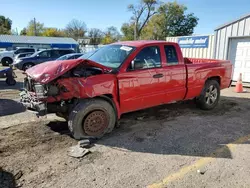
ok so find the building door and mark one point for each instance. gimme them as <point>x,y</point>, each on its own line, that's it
<point>239,55</point>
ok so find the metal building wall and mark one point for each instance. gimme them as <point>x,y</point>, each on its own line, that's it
<point>196,52</point>
<point>238,28</point>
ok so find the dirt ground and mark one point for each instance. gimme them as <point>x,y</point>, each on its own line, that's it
<point>174,145</point>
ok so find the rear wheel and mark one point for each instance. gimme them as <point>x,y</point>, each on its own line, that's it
<point>6,61</point>
<point>27,66</point>
<point>91,119</point>
<point>209,96</point>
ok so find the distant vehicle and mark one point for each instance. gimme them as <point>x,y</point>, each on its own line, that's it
<point>70,56</point>
<point>7,57</point>
<point>41,57</point>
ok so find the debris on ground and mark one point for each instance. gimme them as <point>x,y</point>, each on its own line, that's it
<point>18,175</point>
<point>84,143</point>
<point>77,151</point>
<point>201,171</point>
<point>140,118</point>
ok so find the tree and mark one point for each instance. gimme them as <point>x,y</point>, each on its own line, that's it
<point>34,28</point>
<point>53,32</point>
<point>95,35</point>
<point>5,25</point>
<point>23,31</point>
<point>170,20</point>
<point>76,29</point>
<point>111,35</point>
<point>128,31</point>
<point>141,15</point>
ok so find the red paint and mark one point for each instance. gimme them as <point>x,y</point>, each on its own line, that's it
<point>134,90</point>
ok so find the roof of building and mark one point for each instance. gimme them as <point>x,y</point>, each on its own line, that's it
<point>139,43</point>
<point>36,39</point>
<point>232,22</point>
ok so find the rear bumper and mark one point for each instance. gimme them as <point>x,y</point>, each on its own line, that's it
<point>32,104</point>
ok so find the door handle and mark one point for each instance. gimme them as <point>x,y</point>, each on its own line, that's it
<point>158,76</point>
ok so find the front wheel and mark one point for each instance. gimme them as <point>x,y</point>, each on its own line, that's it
<point>209,96</point>
<point>91,118</point>
<point>6,61</point>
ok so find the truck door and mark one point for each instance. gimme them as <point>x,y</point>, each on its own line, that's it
<point>142,85</point>
<point>175,73</point>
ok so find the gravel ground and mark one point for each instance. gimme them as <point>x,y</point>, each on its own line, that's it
<point>157,147</point>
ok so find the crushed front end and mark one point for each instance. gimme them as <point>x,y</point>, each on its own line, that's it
<point>34,95</point>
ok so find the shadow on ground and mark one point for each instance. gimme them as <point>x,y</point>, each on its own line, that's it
<point>7,179</point>
<point>9,107</point>
<point>4,86</point>
<point>179,129</point>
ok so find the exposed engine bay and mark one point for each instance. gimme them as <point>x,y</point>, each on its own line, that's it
<point>35,93</point>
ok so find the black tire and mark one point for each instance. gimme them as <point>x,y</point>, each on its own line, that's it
<point>27,66</point>
<point>80,122</point>
<point>6,61</point>
<point>209,98</point>
<point>10,81</point>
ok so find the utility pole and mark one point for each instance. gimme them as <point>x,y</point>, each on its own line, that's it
<point>35,27</point>
<point>135,31</point>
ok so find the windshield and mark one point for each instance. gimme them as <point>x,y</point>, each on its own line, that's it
<point>112,55</point>
<point>87,55</point>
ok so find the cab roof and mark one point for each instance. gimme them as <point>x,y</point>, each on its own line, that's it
<point>140,43</point>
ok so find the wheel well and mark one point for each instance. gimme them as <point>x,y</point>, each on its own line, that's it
<point>217,78</point>
<point>28,63</point>
<point>109,99</point>
<point>6,57</point>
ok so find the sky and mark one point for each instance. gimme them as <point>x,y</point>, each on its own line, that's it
<point>104,13</point>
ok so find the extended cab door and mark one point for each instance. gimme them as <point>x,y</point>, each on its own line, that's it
<point>142,85</point>
<point>175,73</point>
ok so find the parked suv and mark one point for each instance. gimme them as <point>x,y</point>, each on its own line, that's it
<point>40,57</point>
<point>7,57</point>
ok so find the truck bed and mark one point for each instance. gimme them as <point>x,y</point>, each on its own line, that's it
<point>198,70</point>
<point>198,61</point>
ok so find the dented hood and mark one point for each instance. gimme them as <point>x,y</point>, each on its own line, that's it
<point>48,71</point>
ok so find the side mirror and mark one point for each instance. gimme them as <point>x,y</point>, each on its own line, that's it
<point>132,66</point>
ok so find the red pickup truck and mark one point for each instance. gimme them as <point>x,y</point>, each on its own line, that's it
<point>119,78</point>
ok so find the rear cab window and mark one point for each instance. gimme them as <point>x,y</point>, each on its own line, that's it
<point>171,55</point>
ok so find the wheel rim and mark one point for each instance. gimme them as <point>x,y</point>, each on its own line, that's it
<point>95,123</point>
<point>211,95</point>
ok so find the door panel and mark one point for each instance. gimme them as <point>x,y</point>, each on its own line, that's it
<point>143,85</point>
<point>138,90</point>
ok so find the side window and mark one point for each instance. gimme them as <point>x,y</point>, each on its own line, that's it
<point>44,54</point>
<point>148,57</point>
<point>29,50</point>
<point>55,53</point>
<point>171,55</point>
<point>64,52</point>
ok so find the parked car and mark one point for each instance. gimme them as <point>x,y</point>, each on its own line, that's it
<point>7,57</point>
<point>70,56</point>
<point>119,78</point>
<point>41,57</point>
